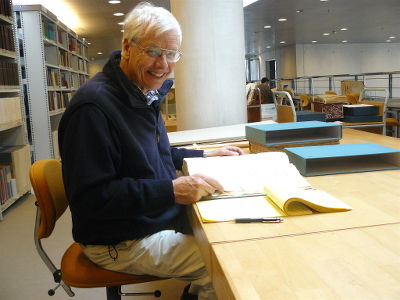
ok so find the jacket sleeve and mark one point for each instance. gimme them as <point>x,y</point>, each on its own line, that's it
<point>91,158</point>
<point>178,154</point>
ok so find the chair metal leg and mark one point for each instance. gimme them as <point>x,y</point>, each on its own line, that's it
<point>112,293</point>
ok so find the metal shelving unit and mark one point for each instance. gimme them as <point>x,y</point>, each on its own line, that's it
<point>14,148</point>
<point>55,64</point>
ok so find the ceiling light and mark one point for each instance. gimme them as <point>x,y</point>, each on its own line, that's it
<point>114,1</point>
<point>89,43</point>
<point>268,47</point>
<point>118,14</point>
<point>299,11</point>
<point>313,41</point>
<point>267,26</point>
<point>282,20</point>
<point>388,41</point>
<point>344,41</point>
<point>326,33</point>
<point>324,0</point>
<point>392,37</point>
<point>122,30</point>
<point>343,29</point>
<point>99,53</point>
<point>120,23</point>
<point>282,42</point>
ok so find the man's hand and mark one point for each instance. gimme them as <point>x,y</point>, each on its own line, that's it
<point>189,189</point>
<point>226,151</point>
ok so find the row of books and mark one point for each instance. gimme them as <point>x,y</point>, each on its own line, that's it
<point>82,66</point>
<point>6,38</point>
<point>53,77</point>
<point>10,110</point>
<point>8,186</point>
<point>5,8</point>
<point>63,79</point>
<point>58,100</point>
<point>62,38</point>
<point>65,59</point>
<point>49,30</point>
<point>8,73</point>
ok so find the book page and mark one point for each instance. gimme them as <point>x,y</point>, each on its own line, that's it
<point>295,196</point>
<point>283,182</point>
<point>229,209</point>
<point>242,174</point>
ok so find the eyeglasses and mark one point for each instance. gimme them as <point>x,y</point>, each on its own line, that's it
<point>170,55</point>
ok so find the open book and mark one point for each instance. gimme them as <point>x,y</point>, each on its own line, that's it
<point>244,176</point>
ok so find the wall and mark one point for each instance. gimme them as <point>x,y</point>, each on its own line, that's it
<point>96,66</point>
<point>286,61</point>
<point>327,59</point>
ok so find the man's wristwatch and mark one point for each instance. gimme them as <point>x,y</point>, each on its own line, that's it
<point>205,154</point>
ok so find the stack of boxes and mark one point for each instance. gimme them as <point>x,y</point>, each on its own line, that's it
<point>360,113</point>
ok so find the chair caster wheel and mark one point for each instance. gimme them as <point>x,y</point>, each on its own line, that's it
<point>51,292</point>
<point>157,294</point>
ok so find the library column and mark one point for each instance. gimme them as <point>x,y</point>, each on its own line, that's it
<point>210,77</point>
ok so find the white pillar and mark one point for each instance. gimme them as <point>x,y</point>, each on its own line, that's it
<point>210,78</point>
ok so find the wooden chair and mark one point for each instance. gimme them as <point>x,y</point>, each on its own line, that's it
<point>254,105</point>
<point>76,269</point>
<point>284,112</point>
<point>381,102</point>
<point>353,98</point>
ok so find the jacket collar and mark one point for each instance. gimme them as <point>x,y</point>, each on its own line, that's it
<point>112,70</point>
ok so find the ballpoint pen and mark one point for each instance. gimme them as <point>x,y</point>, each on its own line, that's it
<point>259,220</point>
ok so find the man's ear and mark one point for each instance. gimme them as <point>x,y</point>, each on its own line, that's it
<point>125,48</point>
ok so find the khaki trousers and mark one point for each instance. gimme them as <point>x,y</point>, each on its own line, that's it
<point>164,254</point>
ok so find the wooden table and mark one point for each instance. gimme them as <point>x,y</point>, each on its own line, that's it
<point>248,261</point>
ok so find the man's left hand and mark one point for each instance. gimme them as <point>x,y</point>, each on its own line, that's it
<point>226,151</point>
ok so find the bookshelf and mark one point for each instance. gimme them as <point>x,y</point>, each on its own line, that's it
<point>54,65</point>
<point>14,149</point>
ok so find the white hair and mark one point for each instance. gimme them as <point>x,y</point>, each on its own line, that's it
<point>145,19</point>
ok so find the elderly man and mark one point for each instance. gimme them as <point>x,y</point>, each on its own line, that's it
<point>119,170</point>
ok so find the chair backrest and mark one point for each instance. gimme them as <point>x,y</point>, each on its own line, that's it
<point>285,112</point>
<point>47,183</point>
<point>305,100</point>
<point>290,92</point>
<point>352,98</point>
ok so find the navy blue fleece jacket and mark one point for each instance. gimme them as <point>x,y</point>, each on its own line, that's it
<point>118,165</point>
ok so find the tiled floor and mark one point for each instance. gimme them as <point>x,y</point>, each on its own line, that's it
<point>23,275</point>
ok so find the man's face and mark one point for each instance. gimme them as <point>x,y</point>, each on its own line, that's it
<point>147,72</point>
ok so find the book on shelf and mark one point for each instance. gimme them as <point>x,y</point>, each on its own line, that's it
<point>18,157</point>
<point>9,73</point>
<point>5,8</point>
<point>7,38</point>
<point>10,110</point>
<point>245,177</point>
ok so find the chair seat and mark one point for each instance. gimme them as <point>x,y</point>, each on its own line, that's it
<point>392,122</point>
<point>78,271</point>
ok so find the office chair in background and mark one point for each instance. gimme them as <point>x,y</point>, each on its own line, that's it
<point>76,269</point>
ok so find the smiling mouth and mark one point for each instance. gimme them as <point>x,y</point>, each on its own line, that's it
<point>158,75</point>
